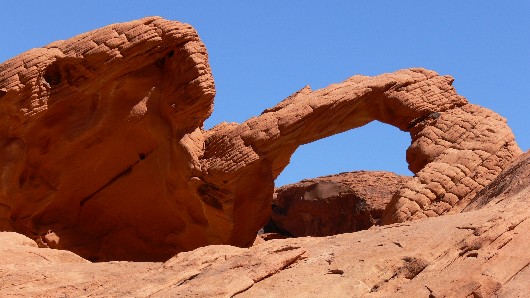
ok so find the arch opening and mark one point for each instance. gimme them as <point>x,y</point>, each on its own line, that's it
<point>374,147</point>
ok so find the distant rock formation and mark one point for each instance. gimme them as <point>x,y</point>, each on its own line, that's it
<point>325,206</point>
<point>102,150</point>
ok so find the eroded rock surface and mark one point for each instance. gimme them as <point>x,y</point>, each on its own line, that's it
<point>457,148</point>
<point>95,136</point>
<point>102,150</point>
<point>509,183</point>
<point>480,253</point>
<point>453,158</point>
<point>325,206</point>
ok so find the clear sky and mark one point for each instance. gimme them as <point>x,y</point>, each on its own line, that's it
<point>262,51</point>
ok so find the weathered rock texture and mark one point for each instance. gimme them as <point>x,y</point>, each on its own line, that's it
<point>96,140</point>
<point>511,183</point>
<point>102,151</point>
<point>481,253</point>
<point>453,159</point>
<point>325,206</point>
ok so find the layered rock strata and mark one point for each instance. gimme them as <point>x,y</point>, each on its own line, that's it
<point>325,206</point>
<point>102,150</point>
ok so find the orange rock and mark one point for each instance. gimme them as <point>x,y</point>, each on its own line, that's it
<point>97,140</point>
<point>325,206</point>
<point>102,146</point>
<point>510,184</point>
<point>454,157</point>
<point>480,253</point>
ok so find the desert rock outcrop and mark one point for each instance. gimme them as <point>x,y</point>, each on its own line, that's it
<point>102,150</point>
<point>95,143</point>
<point>325,206</point>
<point>480,253</point>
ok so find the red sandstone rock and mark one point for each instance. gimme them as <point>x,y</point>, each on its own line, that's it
<point>508,185</point>
<point>103,152</point>
<point>330,205</point>
<point>96,138</point>
<point>453,158</point>
<point>480,253</point>
<point>474,143</point>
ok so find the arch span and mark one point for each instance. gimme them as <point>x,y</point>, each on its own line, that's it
<point>456,149</point>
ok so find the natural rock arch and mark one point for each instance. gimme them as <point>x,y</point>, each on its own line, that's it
<point>101,144</point>
<point>457,148</point>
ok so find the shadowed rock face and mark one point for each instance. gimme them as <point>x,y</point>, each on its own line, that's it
<point>95,143</point>
<point>103,153</point>
<point>325,206</point>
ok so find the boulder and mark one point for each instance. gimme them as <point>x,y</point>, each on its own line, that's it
<point>325,206</point>
<point>97,141</point>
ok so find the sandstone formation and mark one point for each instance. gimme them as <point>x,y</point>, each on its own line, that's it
<point>480,253</point>
<point>102,150</point>
<point>97,136</point>
<point>510,184</point>
<point>453,159</point>
<point>325,206</point>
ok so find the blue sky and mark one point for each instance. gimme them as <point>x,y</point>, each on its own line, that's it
<point>262,51</point>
